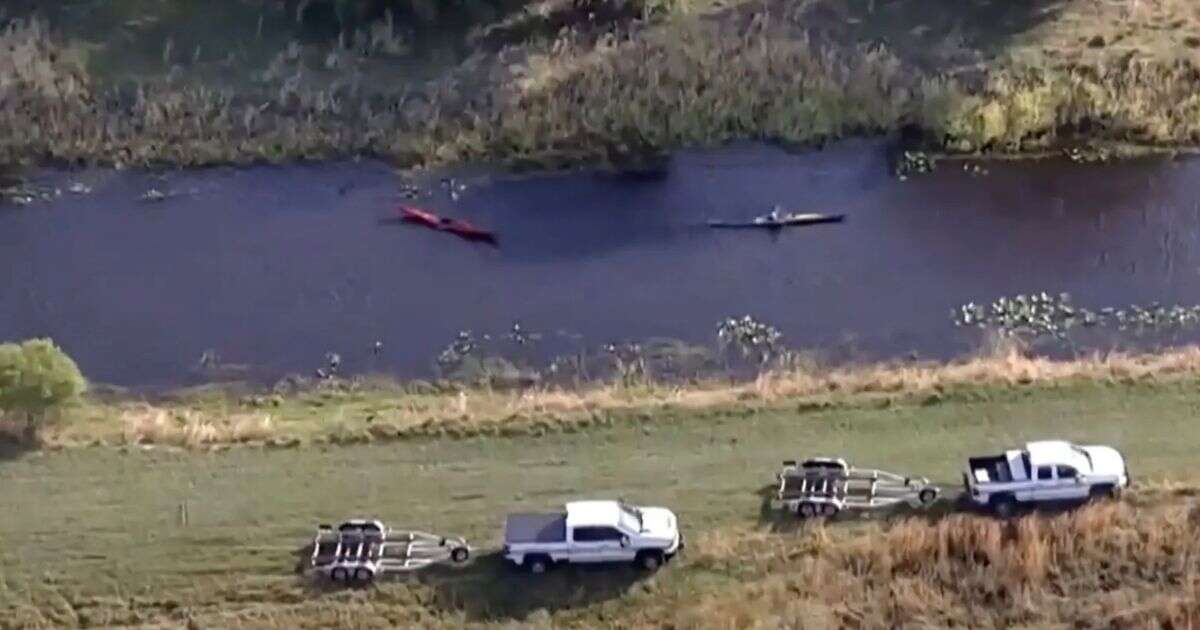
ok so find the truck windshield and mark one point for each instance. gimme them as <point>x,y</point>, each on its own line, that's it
<point>631,517</point>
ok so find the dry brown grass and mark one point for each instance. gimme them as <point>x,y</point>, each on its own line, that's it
<point>1107,565</point>
<point>485,410</point>
<point>34,67</point>
<point>625,91</point>
<point>51,109</point>
<point>693,83</point>
<point>372,411</point>
<point>760,75</point>
<point>144,424</point>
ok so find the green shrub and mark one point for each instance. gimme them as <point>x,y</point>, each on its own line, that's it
<point>36,380</point>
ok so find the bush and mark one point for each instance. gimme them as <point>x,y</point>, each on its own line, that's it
<point>36,380</point>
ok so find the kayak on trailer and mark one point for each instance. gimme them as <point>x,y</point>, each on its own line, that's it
<point>458,227</point>
<point>787,220</point>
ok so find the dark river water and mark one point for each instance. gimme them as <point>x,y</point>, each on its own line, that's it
<point>275,266</point>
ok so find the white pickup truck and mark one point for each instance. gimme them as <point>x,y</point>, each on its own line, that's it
<point>1043,472</point>
<point>592,531</point>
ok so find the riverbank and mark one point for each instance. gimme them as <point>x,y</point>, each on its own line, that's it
<point>562,90</point>
<point>361,411</point>
<point>160,537</point>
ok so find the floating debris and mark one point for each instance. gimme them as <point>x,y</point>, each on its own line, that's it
<point>409,191</point>
<point>464,345</point>
<point>520,336</point>
<point>208,359</point>
<point>1088,155</point>
<point>22,200</point>
<point>914,163</point>
<point>752,337</point>
<point>453,187</point>
<point>1043,315</point>
<point>626,349</point>
<point>333,362</point>
<point>155,195</point>
<point>974,169</point>
<point>628,360</point>
<point>27,194</point>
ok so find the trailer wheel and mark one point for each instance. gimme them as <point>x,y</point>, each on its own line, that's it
<point>460,554</point>
<point>650,561</point>
<point>927,496</point>
<point>537,564</point>
<point>806,510</point>
<point>829,510</point>
<point>338,575</point>
<point>363,575</point>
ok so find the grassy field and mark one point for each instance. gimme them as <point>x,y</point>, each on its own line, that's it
<point>162,538</point>
<point>556,84</point>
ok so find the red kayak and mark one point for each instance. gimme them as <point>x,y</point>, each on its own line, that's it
<point>457,227</point>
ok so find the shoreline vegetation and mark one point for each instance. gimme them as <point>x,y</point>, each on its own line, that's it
<point>624,82</point>
<point>363,410</point>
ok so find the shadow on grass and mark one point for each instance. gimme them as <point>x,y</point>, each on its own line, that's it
<point>16,441</point>
<point>13,449</point>
<point>489,589</point>
<point>936,36</point>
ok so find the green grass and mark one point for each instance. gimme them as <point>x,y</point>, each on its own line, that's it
<point>101,531</point>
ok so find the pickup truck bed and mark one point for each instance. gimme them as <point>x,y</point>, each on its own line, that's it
<point>535,528</point>
<point>997,469</point>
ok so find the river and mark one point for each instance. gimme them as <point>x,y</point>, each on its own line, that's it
<point>273,266</point>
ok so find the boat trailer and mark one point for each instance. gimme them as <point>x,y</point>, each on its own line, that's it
<point>825,486</point>
<point>360,550</point>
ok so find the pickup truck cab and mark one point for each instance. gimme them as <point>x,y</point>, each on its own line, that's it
<point>1048,471</point>
<point>592,532</point>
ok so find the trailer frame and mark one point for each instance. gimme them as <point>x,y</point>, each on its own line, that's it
<point>362,550</point>
<point>826,486</point>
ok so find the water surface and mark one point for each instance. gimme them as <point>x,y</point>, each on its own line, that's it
<point>275,266</point>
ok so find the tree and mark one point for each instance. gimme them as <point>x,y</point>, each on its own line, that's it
<point>36,380</point>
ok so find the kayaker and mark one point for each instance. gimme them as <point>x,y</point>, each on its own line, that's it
<point>773,216</point>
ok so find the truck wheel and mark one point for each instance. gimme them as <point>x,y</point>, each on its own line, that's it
<point>363,576</point>
<point>537,564</point>
<point>460,554</point>
<point>1004,506</point>
<point>650,560</point>
<point>829,510</point>
<point>338,575</point>
<point>1104,492</point>
<point>806,510</point>
<point>927,496</point>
